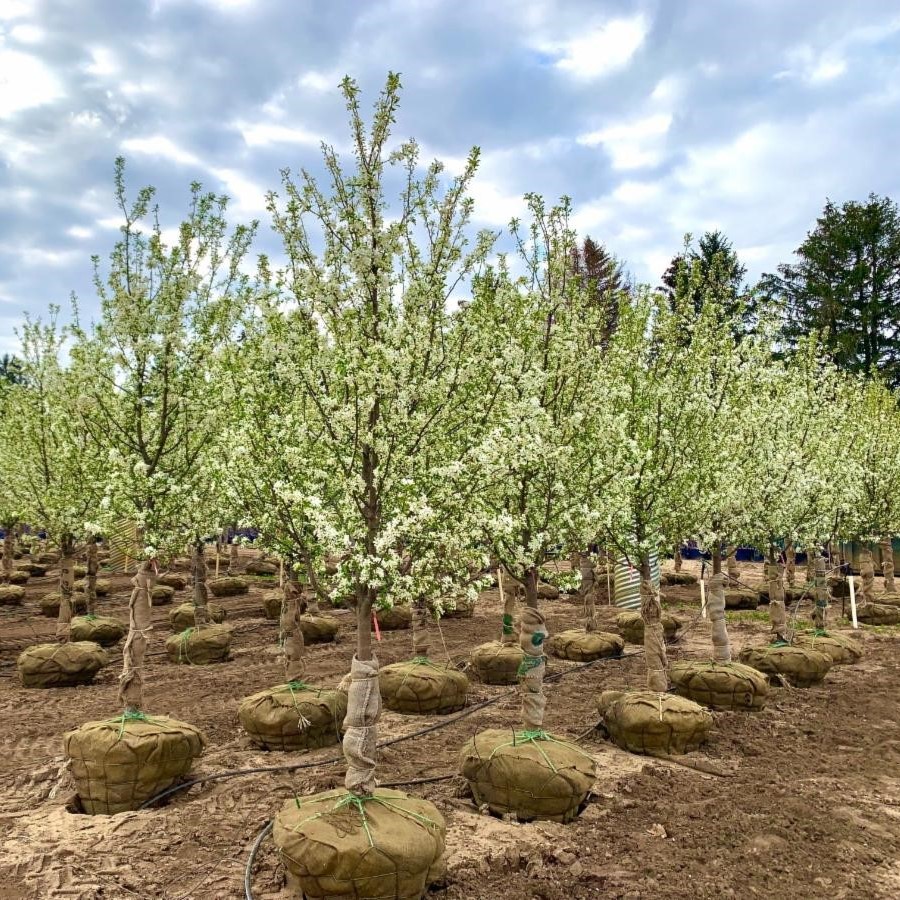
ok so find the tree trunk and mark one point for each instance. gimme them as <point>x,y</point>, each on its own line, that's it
<point>9,539</point>
<point>421,631</point>
<point>866,577</point>
<point>531,587</point>
<point>654,638</point>
<point>678,559</point>
<point>90,579</point>
<point>131,684</point>
<point>200,591</point>
<point>508,595</point>
<point>887,564</point>
<point>233,554</point>
<point>66,587</point>
<point>777,612</point>
<point>532,635</point>
<point>811,554</point>
<point>790,569</point>
<point>734,573</point>
<point>588,591</point>
<point>820,590</point>
<point>291,632</point>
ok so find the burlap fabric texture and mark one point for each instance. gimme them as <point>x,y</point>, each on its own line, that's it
<point>103,587</point>
<point>843,651</point>
<point>102,630</point>
<point>531,774</point>
<point>173,580</point>
<point>36,570</point>
<point>387,845</point>
<point>294,716</point>
<point>678,578</point>
<point>318,629</point>
<point>228,587</point>
<point>60,665</point>
<point>742,598</point>
<point>799,666</point>
<point>461,609</point>
<point>361,726</point>
<point>12,595</point>
<point>182,616</point>
<point>18,577</point>
<point>720,685</point>
<point>261,567</point>
<point>200,646</point>
<point>421,687</point>
<point>496,662</point>
<point>879,614</point>
<point>162,594</point>
<point>886,599</point>
<point>585,646</point>
<point>50,604</point>
<point>395,618</point>
<point>631,624</point>
<point>121,763</point>
<point>792,592</point>
<point>653,723</point>
<point>272,604</point>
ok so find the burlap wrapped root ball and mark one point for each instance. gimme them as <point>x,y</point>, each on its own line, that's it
<point>318,629</point>
<point>838,586</point>
<point>173,580</point>
<point>395,618</point>
<point>18,576</point>
<point>792,592</point>
<point>102,630</point>
<point>389,845</point>
<point>462,608</point>
<point>35,570</point>
<point>652,723</point>
<point>496,662</point>
<point>879,614</point>
<point>293,716</point>
<point>272,604</point>
<point>228,587</point>
<point>799,666</point>
<point>200,646</point>
<point>261,567</point>
<point>50,604</point>
<point>533,775</point>
<point>720,685</point>
<point>420,687</point>
<point>162,594</point>
<point>182,617</point>
<point>79,571</point>
<point>891,599</point>
<point>579,645</point>
<point>632,626</point>
<point>742,598</point>
<point>118,765</point>
<point>60,665</point>
<point>843,651</point>
<point>101,588</point>
<point>678,578</point>
<point>11,594</point>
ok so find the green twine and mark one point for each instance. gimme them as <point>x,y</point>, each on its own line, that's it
<point>133,716</point>
<point>182,644</point>
<point>535,737</point>
<point>507,623</point>
<point>527,664</point>
<point>538,638</point>
<point>779,643</point>
<point>89,617</point>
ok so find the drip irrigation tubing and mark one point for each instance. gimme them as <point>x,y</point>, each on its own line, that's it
<point>331,760</point>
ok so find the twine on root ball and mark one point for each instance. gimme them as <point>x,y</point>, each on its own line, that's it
<point>102,630</point>
<point>60,665</point>
<point>420,687</point>
<point>720,685</point>
<point>799,666</point>
<point>200,646</point>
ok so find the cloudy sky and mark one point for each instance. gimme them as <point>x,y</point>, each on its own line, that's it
<point>657,117</point>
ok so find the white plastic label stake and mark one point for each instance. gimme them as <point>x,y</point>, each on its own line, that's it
<point>500,584</point>
<point>852,602</point>
<point>702,599</point>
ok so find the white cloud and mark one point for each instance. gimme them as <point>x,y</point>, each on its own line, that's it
<point>25,82</point>
<point>103,62</point>
<point>160,146</point>
<point>17,9</point>
<point>263,134</point>
<point>79,232</point>
<point>319,81</point>
<point>599,50</point>
<point>27,33</point>
<point>632,144</point>
<point>247,196</point>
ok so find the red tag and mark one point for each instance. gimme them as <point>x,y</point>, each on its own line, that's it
<point>377,629</point>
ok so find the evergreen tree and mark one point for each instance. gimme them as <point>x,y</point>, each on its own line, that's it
<point>604,281</point>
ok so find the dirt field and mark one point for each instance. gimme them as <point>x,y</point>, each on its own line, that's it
<point>799,801</point>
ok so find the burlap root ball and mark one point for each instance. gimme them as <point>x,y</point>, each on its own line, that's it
<point>396,618</point>
<point>496,662</point>
<point>173,580</point>
<point>79,571</point>
<point>101,588</point>
<point>293,717</point>
<point>720,685</point>
<point>35,570</point>
<point>182,617</point>
<point>228,587</point>
<point>792,592</point>
<point>892,599</point>
<point>632,626</point>
<point>843,651</point>
<point>119,765</point>
<point>389,845</point>
<point>879,614</point>
<point>162,594</point>
<point>531,775</point>
<point>839,587</point>
<point>579,645</point>
<point>60,665</point>
<point>421,687</point>
<point>50,604</point>
<point>462,609</point>
<point>261,567</point>
<point>18,576</point>
<point>46,559</point>
<point>653,723</point>
<point>272,604</point>
<point>742,598</point>
<point>547,591</point>
<point>102,630</point>
<point>200,646</point>
<point>318,629</point>
<point>678,578</point>
<point>11,594</point>
<point>799,666</point>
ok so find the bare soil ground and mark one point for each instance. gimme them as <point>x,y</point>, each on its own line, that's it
<point>801,800</point>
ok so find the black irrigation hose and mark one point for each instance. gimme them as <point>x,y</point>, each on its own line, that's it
<point>248,872</point>
<point>443,723</point>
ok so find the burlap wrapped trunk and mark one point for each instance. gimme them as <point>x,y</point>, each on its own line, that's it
<point>741,598</point>
<point>843,651</point>
<point>579,645</point>
<point>173,580</point>
<point>720,685</point>
<point>50,604</point>
<point>182,617</point>
<point>60,665</point>
<point>388,845</point>
<point>496,662</point>
<point>532,775</point>
<point>631,624</point>
<point>318,629</point>
<point>652,723</point>
<point>162,594</point>
<point>18,576</point>
<point>200,646</point>
<point>293,717</point>
<point>12,595</point>
<point>799,666</point>
<point>103,587</point>
<point>879,614</point>
<point>101,630</point>
<point>228,587</point>
<point>678,578</point>
<point>395,618</point>
<point>261,567</point>
<point>421,687</point>
<point>118,765</point>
